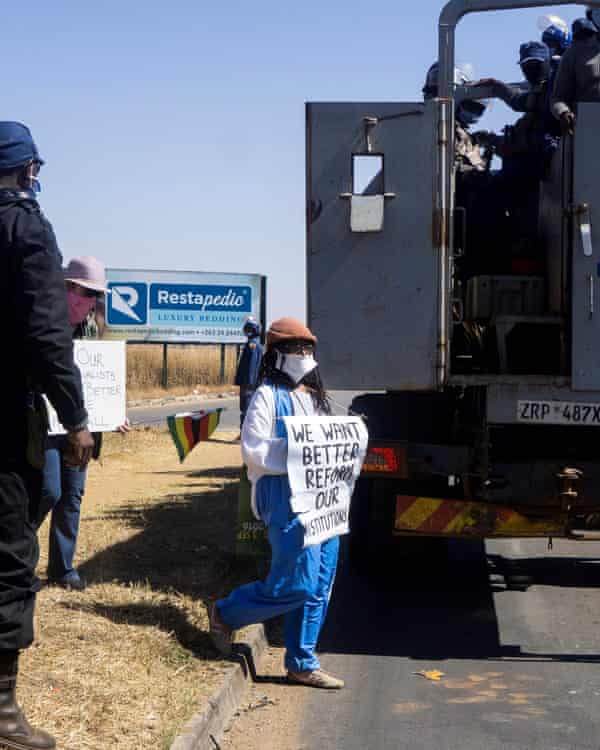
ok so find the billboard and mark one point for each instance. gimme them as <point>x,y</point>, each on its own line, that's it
<point>182,307</point>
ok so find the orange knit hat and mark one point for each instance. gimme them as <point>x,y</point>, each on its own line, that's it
<point>286,329</point>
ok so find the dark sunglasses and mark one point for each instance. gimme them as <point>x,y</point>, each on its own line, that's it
<point>475,108</point>
<point>84,291</point>
<point>92,293</point>
<point>296,347</point>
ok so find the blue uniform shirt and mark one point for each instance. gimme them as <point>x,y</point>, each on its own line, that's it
<point>249,364</point>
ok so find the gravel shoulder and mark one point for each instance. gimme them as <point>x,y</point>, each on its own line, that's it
<point>270,716</point>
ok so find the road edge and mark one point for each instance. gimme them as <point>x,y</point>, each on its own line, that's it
<point>203,729</point>
<point>188,398</point>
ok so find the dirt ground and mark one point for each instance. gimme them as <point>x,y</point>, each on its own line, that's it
<point>270,716</point>
<point>124,664</point>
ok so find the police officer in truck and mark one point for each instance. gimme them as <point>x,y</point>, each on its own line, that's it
<point>578,76</point>
<point>471,155</point>
<point>527,146</point>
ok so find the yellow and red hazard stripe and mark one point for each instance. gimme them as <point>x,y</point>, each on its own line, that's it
<point>439,517</point>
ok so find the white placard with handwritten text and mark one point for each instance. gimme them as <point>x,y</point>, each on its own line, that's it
<point>325,457</point>
<point>103,374</point>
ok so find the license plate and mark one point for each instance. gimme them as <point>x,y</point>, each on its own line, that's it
<point>558,412</point>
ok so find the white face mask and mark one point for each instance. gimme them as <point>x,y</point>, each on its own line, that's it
<point>296,366</point>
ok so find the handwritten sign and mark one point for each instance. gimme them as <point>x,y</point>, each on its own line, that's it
<point>102,366</point>
<point>325,456</point>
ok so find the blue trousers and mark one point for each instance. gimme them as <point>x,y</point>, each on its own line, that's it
<point>63,488</point>
<point>298,586</point>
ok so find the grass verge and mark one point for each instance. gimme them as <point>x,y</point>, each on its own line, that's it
<point>124,664</point>
<point>188,366</point>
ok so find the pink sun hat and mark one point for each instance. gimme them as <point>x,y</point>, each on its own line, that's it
<point>88,272</point>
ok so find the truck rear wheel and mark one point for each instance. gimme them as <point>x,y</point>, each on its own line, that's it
<point>399,417</point>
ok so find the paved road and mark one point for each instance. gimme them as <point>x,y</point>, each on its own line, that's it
<point>230,419</point>
<point>514,627</point>
<point>516,630</point>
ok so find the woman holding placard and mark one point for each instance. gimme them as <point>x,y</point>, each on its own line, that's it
<point>64,485</point>
<point>300,579</point>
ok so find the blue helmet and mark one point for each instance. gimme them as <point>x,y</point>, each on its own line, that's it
<point>251,326</point>
<point>557,39</point>
<point>555,33</point>
<point>17,147</point>
<point>462,75</point>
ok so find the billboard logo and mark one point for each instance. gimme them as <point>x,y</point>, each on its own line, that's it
<point>201,298</point>
<point>127,304</point>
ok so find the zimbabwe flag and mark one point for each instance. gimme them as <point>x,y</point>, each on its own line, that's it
<point>189,428</point>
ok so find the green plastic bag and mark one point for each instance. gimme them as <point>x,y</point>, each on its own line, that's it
<point>251,535</point>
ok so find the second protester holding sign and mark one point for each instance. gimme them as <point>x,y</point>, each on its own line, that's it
<point>301,576</point>
<point>64,485</point>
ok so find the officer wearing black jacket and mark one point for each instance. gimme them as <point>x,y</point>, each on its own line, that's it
<point>38,358</point>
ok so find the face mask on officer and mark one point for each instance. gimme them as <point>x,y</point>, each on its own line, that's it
<point>535,71</point>
<point>29,177</point>
<point>469,112</point>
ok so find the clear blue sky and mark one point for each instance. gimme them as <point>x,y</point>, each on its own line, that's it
<point>174,132</point>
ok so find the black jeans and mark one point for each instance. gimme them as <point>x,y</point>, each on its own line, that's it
<point>20,491</point>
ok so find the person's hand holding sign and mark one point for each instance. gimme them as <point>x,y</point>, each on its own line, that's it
<point>124,428</point>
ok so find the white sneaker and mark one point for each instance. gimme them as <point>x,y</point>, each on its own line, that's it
<point>316,678</point>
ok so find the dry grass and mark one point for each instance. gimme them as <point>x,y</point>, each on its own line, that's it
<point>188,366</point>
<point>124,664</point>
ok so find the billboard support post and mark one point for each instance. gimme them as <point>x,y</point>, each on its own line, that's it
<point>223,352</point>
<point>165,368</point>
<point>263,309</point>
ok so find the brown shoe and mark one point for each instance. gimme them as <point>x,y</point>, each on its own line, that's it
<point>15,731</point>
<point>220,633</point>
<point>316,678</point>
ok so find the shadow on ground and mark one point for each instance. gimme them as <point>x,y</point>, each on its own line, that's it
<point>184,544</point>
<point>163,615</point>
<point>443,608</point>
<point>570,572</point>
<point>225,472</point>
<point>440,607</point>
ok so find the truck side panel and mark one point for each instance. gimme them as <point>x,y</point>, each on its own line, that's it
<point>586,267</point>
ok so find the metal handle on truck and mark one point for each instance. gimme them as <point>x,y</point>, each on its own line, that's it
<point>585,228</point>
